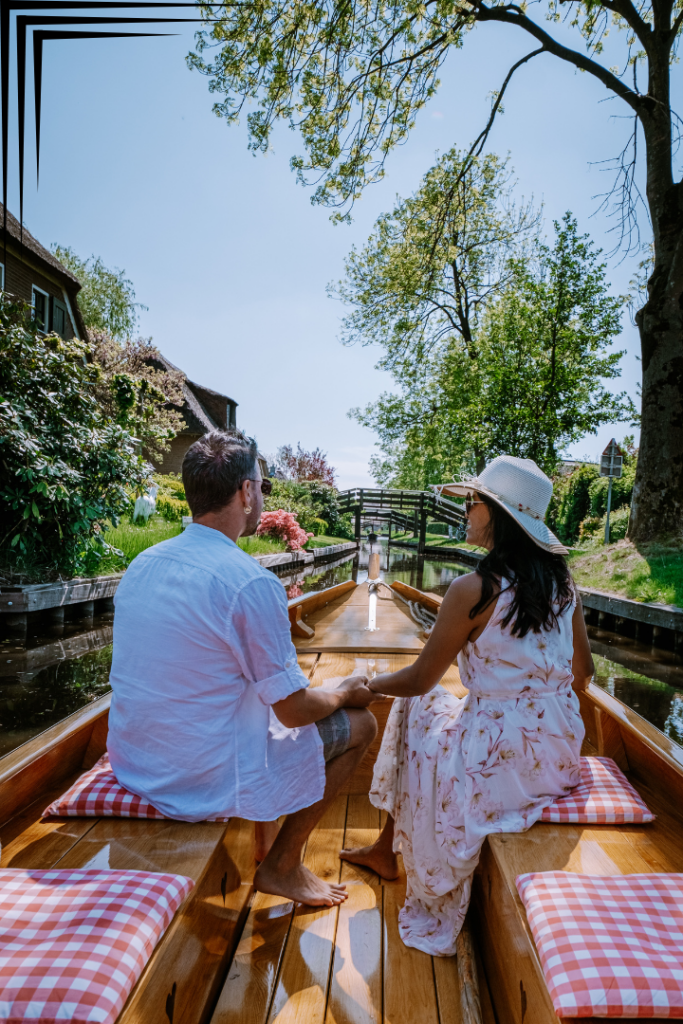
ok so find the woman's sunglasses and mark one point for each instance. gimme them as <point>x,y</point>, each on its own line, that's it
<point>470,501</point>
<point>266,485</point>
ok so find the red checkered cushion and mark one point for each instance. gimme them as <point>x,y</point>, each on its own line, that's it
<point>609,947</point>
<point>73,943</point>
<point>603,796</point>
<point>97,794</point>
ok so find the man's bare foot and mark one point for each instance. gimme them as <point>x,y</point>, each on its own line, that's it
<point>265,833</point>
<point>300,885</point>
<point>378,858</point>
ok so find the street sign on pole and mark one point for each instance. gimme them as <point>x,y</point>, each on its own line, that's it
<point>611,465</point>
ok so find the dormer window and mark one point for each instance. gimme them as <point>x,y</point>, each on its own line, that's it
<point>41,306</point>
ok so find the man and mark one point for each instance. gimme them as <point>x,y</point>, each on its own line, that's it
<point>211,715</point>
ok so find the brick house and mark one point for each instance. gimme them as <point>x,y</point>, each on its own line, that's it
<point>29,271</point>
<point>202,410</point>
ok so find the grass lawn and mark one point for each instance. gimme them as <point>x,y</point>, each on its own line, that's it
<point>261,545</point>
<point>132,538</point>
<point>653,573</point>
<point>325,542</point>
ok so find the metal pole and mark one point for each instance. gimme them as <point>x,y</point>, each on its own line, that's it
<point>609,505</point>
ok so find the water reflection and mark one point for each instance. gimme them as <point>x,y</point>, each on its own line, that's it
<point>45,680</point>
<point>647,679</point>
<point>49,677</point>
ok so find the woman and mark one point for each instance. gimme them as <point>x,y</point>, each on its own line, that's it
<point>452,770</point>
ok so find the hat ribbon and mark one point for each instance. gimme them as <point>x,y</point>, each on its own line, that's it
<point>513,504</point>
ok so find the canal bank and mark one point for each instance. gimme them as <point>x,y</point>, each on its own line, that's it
<point>51,675</point>
<point>34,608</point>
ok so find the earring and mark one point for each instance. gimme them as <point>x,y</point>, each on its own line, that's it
<point>247,510</point>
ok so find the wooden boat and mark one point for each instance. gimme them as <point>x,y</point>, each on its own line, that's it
<point>232,956</point>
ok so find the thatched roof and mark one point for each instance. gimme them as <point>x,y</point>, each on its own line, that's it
<point>33,246</point>
<point>197,416</point>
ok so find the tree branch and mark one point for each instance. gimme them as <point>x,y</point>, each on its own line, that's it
<point>550,45</point>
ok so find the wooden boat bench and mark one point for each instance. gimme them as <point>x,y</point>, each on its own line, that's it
<point>187,967</point>
<point>511,961</point>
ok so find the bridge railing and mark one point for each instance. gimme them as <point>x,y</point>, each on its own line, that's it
<point>421,505</point>
<point>424,502</point>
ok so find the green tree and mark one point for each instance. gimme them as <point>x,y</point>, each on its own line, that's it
<point>535,385</point>
<point>66,468</point>
<point>545,351</point>
<point>351,79</point>
<point>425,276</point>
<point>419,292</point>
<point>107,297</point>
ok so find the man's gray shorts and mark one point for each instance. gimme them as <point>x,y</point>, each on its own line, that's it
<point>335,732</point>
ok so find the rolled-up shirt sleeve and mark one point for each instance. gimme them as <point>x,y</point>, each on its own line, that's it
<point>259,634</point>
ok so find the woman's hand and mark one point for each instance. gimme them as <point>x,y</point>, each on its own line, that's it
<point>357,692</point>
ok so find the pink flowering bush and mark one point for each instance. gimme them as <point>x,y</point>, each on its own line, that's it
<point>284,526</point>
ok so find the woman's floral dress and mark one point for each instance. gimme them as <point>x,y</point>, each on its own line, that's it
<point>452,770</point>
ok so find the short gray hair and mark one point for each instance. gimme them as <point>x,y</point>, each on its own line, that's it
<point>214,468</point>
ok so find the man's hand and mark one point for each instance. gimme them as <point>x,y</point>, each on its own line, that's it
<point>357,694</point>
<point>303,707</point>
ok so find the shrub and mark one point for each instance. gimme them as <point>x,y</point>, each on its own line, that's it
<point>67,470</point>
<point>594,526</point>
<point>172,509</point>
<point>571,502</point>
<point>170,484</point>
<point>283,525</point>
<point>310,501</point>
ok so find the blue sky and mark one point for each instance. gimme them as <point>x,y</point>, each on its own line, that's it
<point>226,249</point>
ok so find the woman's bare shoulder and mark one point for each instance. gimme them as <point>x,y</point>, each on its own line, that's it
<point>466,587</point>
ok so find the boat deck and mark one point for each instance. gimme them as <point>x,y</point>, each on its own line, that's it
<point>342,965</point>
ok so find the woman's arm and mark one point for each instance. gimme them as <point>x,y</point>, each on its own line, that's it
<point>451,631</point>
<point>582,662</point>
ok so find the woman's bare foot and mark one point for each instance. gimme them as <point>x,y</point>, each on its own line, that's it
<point>265,833</point>
<point>300,885</point>
<point>376,857</point>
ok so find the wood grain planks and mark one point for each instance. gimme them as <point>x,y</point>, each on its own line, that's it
<point>307,663</point>
<point>300,995</point>
<point>409,989</point>
<point>341,627</point>
<point>356,984</point>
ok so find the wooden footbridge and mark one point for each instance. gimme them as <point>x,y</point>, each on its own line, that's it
<point>404,510</point>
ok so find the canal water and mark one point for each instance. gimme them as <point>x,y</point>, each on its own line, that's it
<point>54,674</point>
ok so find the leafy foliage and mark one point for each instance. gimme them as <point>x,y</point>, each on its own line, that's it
<point>352,78</point>
<point>172,509</point>
<point>66,468</point>
<point>301,465</point>
<point>315,505</point>
<point>138,395</point>
<point>107,297</point>
<point>579,503</point>
<point>425,276</point>
<point>529,384</point>
<point>283,525</point>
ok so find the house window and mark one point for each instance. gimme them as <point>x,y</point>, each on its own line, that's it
<point>59,320</point>
<point>2,277</point>
<point>41,306</point>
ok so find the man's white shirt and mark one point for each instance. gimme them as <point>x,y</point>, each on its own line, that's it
<point>202,648</point>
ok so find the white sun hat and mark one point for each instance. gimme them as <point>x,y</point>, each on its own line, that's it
<point>521,488</point>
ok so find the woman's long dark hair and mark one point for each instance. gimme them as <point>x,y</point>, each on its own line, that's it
<point>542,581</point>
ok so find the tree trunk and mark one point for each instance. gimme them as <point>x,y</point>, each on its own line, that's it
<point>657,508</point>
